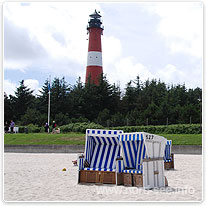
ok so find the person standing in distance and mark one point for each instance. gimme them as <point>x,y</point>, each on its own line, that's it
<point>46,127</point>
<point>12,124</point>
<point>6,128</point>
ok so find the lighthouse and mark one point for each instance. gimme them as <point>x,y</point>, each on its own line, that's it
<point>94,58</point>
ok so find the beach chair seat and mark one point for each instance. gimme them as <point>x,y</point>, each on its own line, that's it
<point>132,171</point>
<point>99,169</point>
<point>168,160</point>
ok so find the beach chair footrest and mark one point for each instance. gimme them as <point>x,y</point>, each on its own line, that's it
<point>135,180</point>
<point>99,177</point>
<point>127,179</point>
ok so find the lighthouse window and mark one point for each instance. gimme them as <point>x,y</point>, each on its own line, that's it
<point>90,57</point>
<point>96,57</point>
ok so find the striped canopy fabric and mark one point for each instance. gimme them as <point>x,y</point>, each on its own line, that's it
<point>106,149</point>
<point>168,146</point>
<point>90,143</point>
<point>104,132</point>
<point>80,163</point>
<point>89,149</point>
<point>101,149</point>
<point>133,150</point>
<point>119,166</point>
<point>131,137</point>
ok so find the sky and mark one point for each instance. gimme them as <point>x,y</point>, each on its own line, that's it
<point>161,40</point>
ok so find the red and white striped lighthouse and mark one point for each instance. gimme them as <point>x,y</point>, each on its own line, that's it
<point>94,59</point>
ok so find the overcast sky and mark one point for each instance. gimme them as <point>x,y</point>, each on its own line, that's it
<point>161,40</point>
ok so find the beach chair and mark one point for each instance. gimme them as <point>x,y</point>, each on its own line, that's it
<point>141,161</point>
<point>168,156</point>
<point>98,164</point>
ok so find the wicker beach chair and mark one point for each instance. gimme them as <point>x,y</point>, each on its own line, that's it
<point>133,152</point>
<point>168,156</point>
<point>98,165</point>
<point>141,163</point>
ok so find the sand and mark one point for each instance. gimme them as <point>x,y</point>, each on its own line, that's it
<point>39,177</point>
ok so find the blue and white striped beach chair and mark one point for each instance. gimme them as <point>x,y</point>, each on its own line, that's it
<point>99,162</point>
<point>169,156</point>
<point>133,152</point>
<point>129,165</point>
<point>139,151</point>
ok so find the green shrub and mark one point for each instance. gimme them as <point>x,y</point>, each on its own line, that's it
<point>79,127</point>
<point>163,129</point>
<point>67,128</point>
<point>21,129</point>
<point>31,128</point>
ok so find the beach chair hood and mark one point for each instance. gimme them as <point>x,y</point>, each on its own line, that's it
<point>101,149</point>
<point>155,145</point>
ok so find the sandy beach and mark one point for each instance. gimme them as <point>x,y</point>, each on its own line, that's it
<point>39,177</point>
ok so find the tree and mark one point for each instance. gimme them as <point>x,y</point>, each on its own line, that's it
<point>58,99</point>
<point>103,117</point>
<point>118,119</point>
<point>8,108</point>
<point>101,103</point>
<point>43,98</point>
<point>76,99</point>
<point>31,116</point>
<point>23,100</point>
<point>59,92</point>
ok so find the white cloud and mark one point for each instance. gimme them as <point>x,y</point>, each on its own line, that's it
<point>9,87</point>
<point>171,74</point>
<point>181,24</point>
<point>59,32</point>
<point>111,49</point>
<point>33,84</point>
<point>51,38</point>
<point>126,69</point>
<point>59,28</point>
<point>16,65</point>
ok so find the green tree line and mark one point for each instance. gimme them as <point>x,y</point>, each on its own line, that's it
<point>151,102</point>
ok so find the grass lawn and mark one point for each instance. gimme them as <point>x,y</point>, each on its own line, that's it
<point>44,138</point>
<point>78,138</point>
<point>184,139</point>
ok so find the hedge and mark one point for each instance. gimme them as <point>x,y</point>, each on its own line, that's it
<point>72,127</point>
<point>163,129</point>
<point>81,128</point>
<point>31,128</point>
